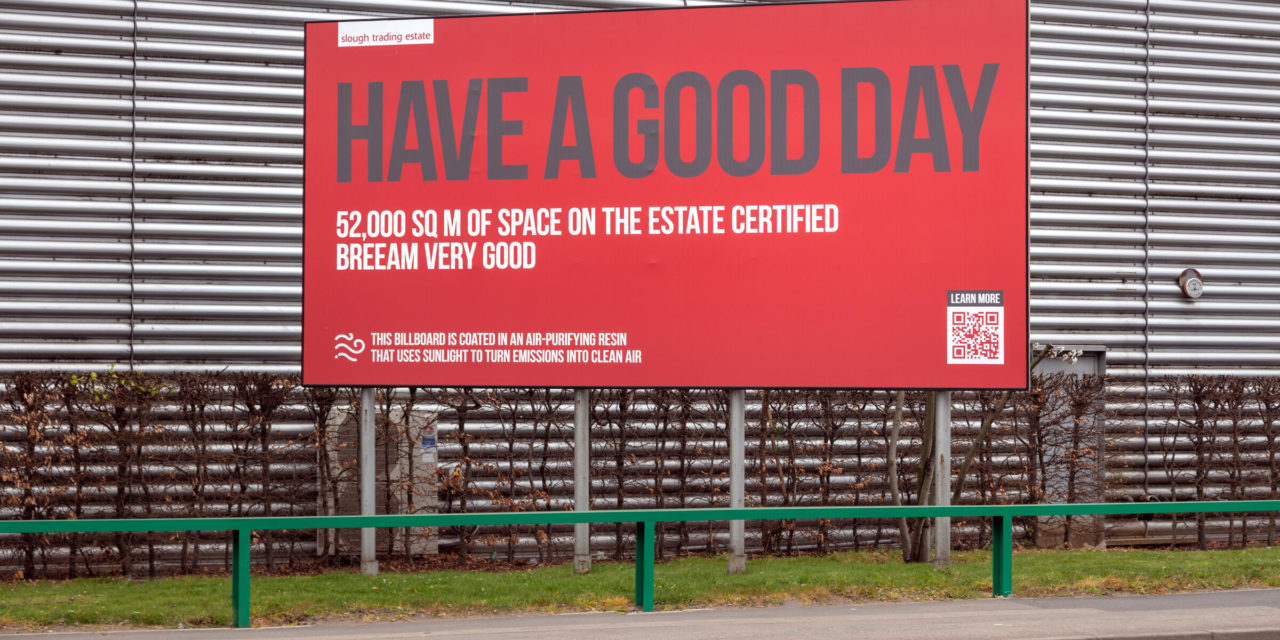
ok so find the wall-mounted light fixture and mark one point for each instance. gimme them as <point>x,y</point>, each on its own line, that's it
<point>1191,283</point>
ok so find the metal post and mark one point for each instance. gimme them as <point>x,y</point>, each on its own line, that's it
<point>942,478</point>
<point>368,465</point>
<point>737,478</point>
<point>240,541</point>
<point>644,565</point>
<point>1001,556</point>
<point>581,478</point>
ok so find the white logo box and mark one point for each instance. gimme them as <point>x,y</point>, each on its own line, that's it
<point>383,33</point>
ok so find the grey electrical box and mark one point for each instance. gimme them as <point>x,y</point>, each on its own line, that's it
<point>1089,486</point>
<point>405,480</point>
<point>1092,360</point>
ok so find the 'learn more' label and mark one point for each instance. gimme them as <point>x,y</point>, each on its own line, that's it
<point>382,33</point>
<point>975,327</point>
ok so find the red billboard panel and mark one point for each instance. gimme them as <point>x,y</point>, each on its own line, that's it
<point>814,195</point>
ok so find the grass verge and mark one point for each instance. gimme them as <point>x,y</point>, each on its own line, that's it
<point>687,582</point>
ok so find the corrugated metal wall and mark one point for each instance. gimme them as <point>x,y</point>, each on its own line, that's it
<point>1154,146</point>
<point>150,183</point>
<point>150,179</point>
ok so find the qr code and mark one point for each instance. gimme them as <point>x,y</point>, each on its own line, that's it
<point>975,335</point>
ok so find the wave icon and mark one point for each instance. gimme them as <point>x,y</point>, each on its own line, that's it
<point>348,341</point>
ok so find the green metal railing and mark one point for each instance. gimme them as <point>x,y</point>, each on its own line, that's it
<point>1001,516</point>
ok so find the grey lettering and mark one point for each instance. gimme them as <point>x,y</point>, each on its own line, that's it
<point>922,86</point>
<point>970,118</point>
<point>702,124</point>
<point>780,80</point>
<point>370,132</point>
<point>499,129</point>
<point>413,106</point>
<point>570,96</point>
<point>755,123</point>
<point>457,148</point>
<point>647,128</point>
<point>850,161</point>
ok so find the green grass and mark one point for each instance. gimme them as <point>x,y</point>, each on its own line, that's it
<point>688,582</point>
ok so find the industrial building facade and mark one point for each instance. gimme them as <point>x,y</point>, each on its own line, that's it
<point>152,169</point>
<point>151,183</point>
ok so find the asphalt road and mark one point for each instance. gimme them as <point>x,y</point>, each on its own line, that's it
<point>1229,615</point>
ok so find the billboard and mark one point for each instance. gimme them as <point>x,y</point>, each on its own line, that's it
<point>809,195</point>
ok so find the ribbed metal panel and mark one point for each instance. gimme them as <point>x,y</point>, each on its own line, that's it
<point>1087,175</point>
<point>150,180</point>
<point>1213,189</point>
<point>1154,144</point>
<point>50,222</point>
<point>1154,149</point>
<point>150,186</point>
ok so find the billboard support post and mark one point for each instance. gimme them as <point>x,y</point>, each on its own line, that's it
<point>942,477</point>
<point>368,551</point>
<point>581,478</point>
<point>737,479</point>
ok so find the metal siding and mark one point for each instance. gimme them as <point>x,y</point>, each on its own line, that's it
<point>1087,175</point>
<point>64,216</point>
<point>151,168</point>
<point>1155,148</point>
<point>150,187</point>
<point>1212,189</point>
<point>1154,141</point>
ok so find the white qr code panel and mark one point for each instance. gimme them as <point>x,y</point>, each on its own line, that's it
<point>975,335</point>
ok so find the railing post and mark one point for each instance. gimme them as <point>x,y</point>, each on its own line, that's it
<point>644,565</point>
<point>240,541</point>
<point>1001,556</point>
